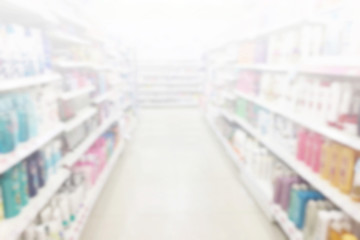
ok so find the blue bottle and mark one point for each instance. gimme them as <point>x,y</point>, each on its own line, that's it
<point>11,192</point>
<point>24,192</point>
<point>22,119</point>
<point>31,171</point>
<point>7,127</point>
<point>40,168</point>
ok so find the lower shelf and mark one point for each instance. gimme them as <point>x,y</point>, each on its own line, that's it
<point>286,225</point>
<point>75,231</point>
<point>12,229</point>
<point>258,190</point>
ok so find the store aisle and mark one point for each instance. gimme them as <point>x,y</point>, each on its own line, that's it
<point>175,182</point>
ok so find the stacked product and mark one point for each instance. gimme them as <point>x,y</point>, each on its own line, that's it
<point>24,180</point>
<point>23,116</point>
<point>310,211</point>
<point>22,52</point>
<point>303,41</point>
<point>58,217</point>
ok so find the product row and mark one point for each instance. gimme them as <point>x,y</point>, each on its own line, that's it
<point>334,162</point>
<point>310,212</point>
<point>330,101</point>
<point>63,211</point>
<point>26,115</point>
<point>336,37</point>
<point>23,182</point>
<point>23,52</point>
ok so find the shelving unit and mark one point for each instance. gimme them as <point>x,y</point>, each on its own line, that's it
<point>332,133</point>
<point>77,93</point>
<point>107,72</point>
<point>75,232</point>
<point>343,201</point>
<point>259,191</point>
<point>80,150</point>
<point>167,86</point>
<point>264,57</point>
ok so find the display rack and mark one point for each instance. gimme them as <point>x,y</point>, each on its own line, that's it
<point>224,68</point>
<point>77,93</point>
<point>80,118</point>
<point>75,232</point>
<point>118,71</point>
<point>343,201</point>
<point>167,86</point>
<point>259,191</point>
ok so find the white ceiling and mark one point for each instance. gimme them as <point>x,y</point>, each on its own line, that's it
<point>161,30</point>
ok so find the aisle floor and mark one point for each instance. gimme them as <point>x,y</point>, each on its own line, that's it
<point>175,182</point>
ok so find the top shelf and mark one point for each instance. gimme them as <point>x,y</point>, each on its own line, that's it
<point>26,12</point>
<point>27,82</point>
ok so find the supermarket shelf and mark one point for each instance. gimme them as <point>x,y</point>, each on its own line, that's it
<point>67,38</point>
<point>26,12</point>
<point>26,82</point>
<point>259,190</point>
<point>103,97</point>
<point>332,133</point>
<point>126,106</point>
<point>74,156</point>
<point>269,67</point>
<point>73,64</point>
<point>168,91</point>
<point>169,83</point>
<point>77,227</point>
<point>286,225</point>
<point>79,118</point>
<point>12,229</point>
<point>228,148</point>
<point>26,149</point>
<point>77,93</point>
<point>168,104</point>
<point>340,199</point>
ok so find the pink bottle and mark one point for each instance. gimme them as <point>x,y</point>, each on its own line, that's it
<point>309,148</point>
<point>316,158</point>
<point>302,138</point>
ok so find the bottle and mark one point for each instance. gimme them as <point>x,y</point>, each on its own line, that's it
<point>2,215</point>
<point>32,176</point>
<point>346,171</point>
<point>355,191</point>
<point>335,230</point>
<point>316,155</point>
<point>302,138</point>
<point>11,192</point>
<point>325,160</point>
<point>310,220</point>
<point>24,193</point>
<point>286,190</point>
<point>8,127</point>
<point>348,236</point>
<point>323,221</point>
<point>334,164</point>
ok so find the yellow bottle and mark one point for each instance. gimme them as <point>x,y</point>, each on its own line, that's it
<point>348,236</point>
<point>334,164</point>
<point>346,169</point>
<point>335,231</point>
<point>325,159</point>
